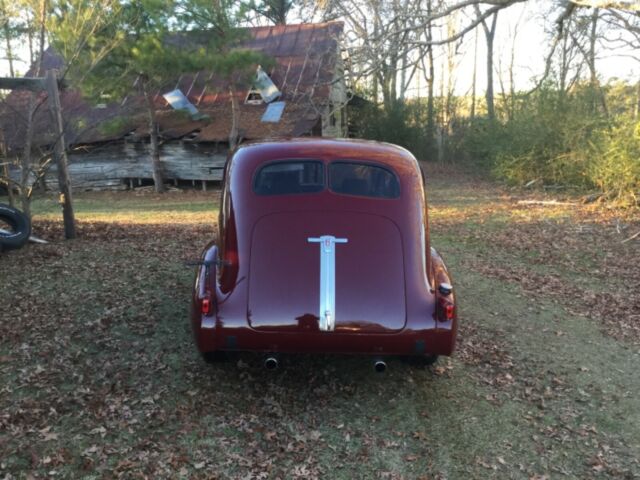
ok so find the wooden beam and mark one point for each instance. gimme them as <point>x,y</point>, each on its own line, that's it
<point>25,83</point>
<point>5,168</point>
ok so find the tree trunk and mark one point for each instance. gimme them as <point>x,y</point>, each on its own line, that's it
<point>374,88</point>
<point>512,80</point>
<point>490,35</point>
<point>25,161</point>
<point>443,120</point>
<point>7,38</point>
<point>387,99</point>
<point>430,79</point>
<point>235,120</point>
<point>60,154</point>
<point>25,189</point>
<point>42,19</point>
<point>32,57</point>
<point>474,76</point>
<point>393,82</point>
<point>431,114</point>
<point>451,71</point>
<point>156,166</point>
<point>403,73</point>
<point>5,168</point>
<point>636,113</point>
<point>564,69</point>
<point>596,91</point>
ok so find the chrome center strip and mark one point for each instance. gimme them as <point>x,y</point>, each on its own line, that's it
<point>327,312</point>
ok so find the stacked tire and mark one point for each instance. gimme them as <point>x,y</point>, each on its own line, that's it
<point>20,228</point>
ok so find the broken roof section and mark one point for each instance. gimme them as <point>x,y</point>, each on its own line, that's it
<point>305,59</point>
<point>268,91</point>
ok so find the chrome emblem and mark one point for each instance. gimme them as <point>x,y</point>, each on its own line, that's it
<point>327,312</point>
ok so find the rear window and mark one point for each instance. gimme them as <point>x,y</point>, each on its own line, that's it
<point>284,178</point>
<point>363,179</point>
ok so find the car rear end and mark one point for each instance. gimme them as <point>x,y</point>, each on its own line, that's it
<point>331,258</point>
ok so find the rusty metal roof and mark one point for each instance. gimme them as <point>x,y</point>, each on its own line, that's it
<point>304,62</point>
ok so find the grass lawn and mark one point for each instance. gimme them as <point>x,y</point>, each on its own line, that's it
<point>99,377</point>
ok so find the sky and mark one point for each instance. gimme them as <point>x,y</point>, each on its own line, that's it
<point>525,20</point>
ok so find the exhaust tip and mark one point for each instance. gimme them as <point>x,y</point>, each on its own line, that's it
<point>271,363</point>
<point>379,366</point>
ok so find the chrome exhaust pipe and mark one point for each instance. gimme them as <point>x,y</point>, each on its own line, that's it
<point>380,366</point>
<point>271,363</point>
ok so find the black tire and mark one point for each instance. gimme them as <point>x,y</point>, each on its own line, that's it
<point>20,225</point>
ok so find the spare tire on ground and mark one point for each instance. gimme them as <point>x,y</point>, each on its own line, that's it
<point>19,228</point>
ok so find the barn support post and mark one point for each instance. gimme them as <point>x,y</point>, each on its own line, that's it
<point>60,155</point>
<point>5,168</point>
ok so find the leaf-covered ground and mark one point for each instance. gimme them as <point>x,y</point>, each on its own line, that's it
<point>99,377</point>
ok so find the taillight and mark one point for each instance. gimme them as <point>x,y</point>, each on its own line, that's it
<point>205,305</point>
<point>230,258</point>
<point>449,311</point>
<point>445,310</point>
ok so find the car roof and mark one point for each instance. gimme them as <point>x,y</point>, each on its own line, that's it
<point>264,151</point>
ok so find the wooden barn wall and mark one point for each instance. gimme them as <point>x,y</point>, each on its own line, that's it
<point>114,165</point>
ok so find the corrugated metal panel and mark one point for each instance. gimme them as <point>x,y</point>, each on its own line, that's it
<point>273,113</point>
<point>178,101</point>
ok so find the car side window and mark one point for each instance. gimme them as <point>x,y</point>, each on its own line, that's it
<point>287,177</point>
<point>351,178</point>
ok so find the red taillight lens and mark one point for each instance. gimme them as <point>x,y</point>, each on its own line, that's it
<point>445,311</point>
<point>449,311</point>
<point>205,306</point>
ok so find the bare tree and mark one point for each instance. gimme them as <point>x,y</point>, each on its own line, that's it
<point>40,9</point>
<point>474,77</point>
<point>489,34</point>
<point>8,34</point>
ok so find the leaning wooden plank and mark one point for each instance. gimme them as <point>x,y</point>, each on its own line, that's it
<point>544,202</point>
<point>32,238</point>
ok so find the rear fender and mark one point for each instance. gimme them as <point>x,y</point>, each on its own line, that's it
<point>444,322</point>
<point>439,269</point>
<point>205,293</point>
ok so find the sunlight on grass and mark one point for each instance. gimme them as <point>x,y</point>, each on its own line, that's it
<point>129,217</point>
<point>189,207</point>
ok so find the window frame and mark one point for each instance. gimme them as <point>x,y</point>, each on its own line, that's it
<point>256,174</point>
<point>367,164</point>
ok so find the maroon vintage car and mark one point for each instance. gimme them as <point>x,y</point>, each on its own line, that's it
<point>323,247</point>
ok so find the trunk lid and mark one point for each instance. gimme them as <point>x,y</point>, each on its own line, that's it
<point>284,274</point>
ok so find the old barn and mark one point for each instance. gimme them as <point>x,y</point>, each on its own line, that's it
<point>302,93</point>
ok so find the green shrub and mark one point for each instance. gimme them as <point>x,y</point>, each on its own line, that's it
<point>403,124</point>
<point>616,166</point>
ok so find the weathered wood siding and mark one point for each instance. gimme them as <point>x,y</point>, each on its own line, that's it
<point>114,165</point>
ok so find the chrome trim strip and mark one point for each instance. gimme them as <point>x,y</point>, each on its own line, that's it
<point>327,311</point>
<point>208,322</point>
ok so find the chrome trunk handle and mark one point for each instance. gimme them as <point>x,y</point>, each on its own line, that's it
<point>327,310</point>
